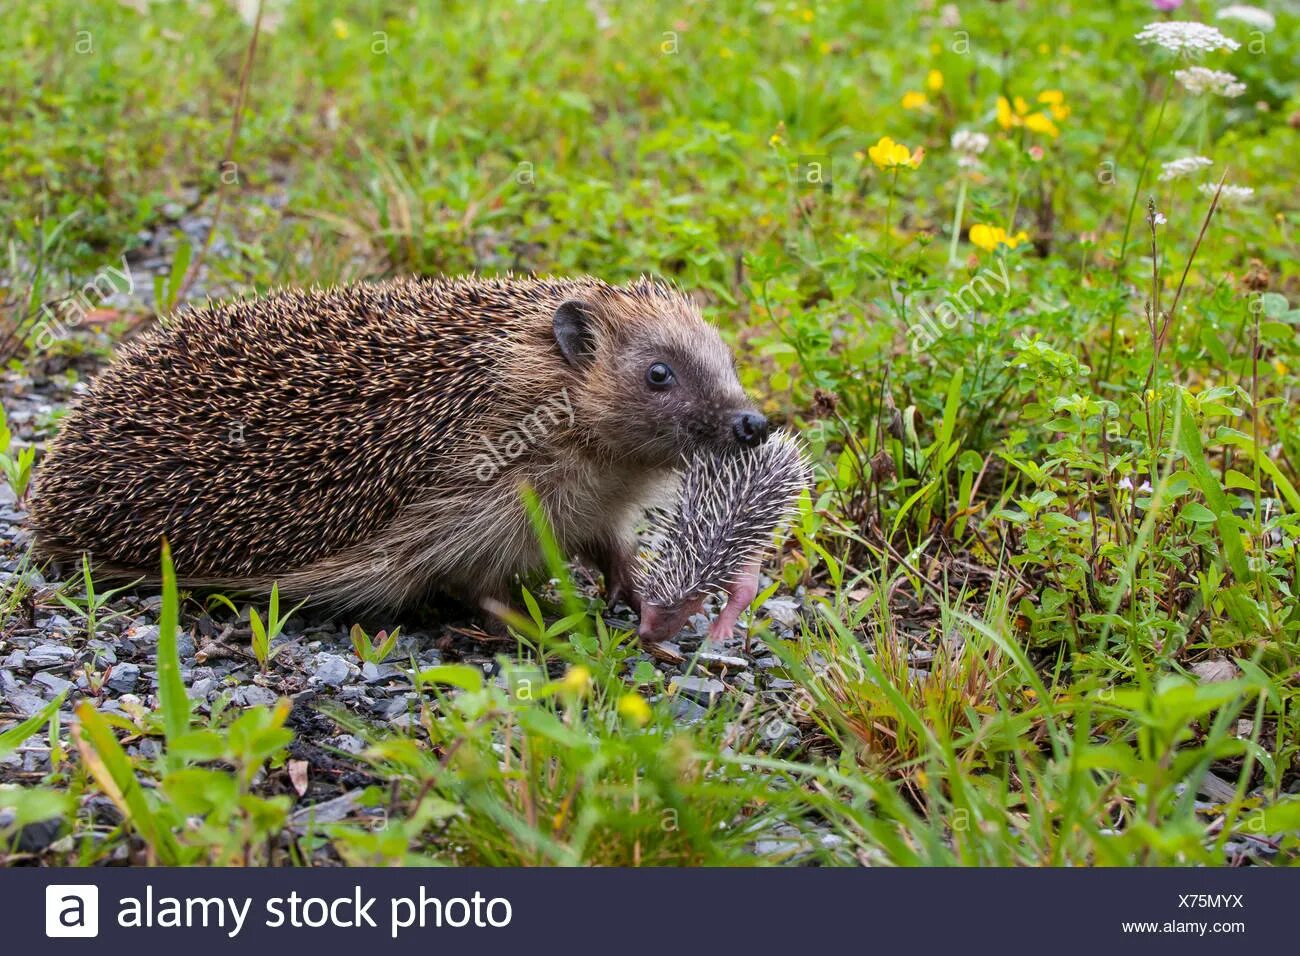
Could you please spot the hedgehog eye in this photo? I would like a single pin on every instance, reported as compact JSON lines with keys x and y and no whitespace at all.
{"x":659,"y":376}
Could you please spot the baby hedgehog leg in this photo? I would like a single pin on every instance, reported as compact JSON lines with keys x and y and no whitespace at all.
{"x":741,"y":592}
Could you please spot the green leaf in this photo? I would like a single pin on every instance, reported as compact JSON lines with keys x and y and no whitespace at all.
{"x":172,"y":699}
{"x":1189,"y":443}
{"x":13,"y":738}
{"x":454,"y":675}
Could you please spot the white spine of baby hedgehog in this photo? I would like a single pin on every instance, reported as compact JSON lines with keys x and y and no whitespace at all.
{"x":715,"y":536}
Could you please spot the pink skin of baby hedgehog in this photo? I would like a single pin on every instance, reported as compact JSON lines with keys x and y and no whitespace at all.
{"x":661,"y":623}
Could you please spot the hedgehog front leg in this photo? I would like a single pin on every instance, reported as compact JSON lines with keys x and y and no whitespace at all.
{"x":740,"y":594}
{"x":615,"y":561}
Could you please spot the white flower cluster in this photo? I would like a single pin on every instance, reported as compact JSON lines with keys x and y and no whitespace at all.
{"x":1251,"y":16}
{"x":1185,"y":36}
{"x":1229,"y":193}
{"x":969,"y":145}
{"x":1197,"y":79}
{"x":1178,"y":168}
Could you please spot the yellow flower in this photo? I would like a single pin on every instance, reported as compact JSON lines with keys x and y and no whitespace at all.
{"x":989,"y":238}
{"x":634,"y":708}
{"x":887,"y":154}
{"x":576,"y":680}
{"x":912,"y":100}
{"x":934,"y":81}
{"x":726,"y":53}
{"x":1016,"y":113}
{"x":1055,"y":102}
{"x":1006,"y":118}
{"x":1040,"y":123}
{"x":806,"y":14}
{"x":775,"y":140}
{"x":341,"y":29}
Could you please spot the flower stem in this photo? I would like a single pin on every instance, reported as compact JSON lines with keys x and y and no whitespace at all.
{"x":956,"y":223}
{"x":1128,"y":225}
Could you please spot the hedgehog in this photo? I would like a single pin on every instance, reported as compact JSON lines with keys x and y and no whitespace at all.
{"x":728,"y":508}
{"x":365,"y":446}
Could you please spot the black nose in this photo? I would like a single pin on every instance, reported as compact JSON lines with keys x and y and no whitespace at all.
{"x":750,"y":428}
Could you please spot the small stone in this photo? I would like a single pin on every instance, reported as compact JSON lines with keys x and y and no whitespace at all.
{"x":123,"y":678}
{"x":705,"y":690}
{"x":201,"y":688}
{"x":55,"y":683}
{"x":331,"y":671}
{"x":721,"y":663}
{"x":25,"y":703}
{"x":779,"y":735}
{"x":1215,"y":670}
{"x":784,"y":610}
{"x":388,"y":709}
{"x":144,"y":634}
{"x":48,"y":655}
{"x":348,"y":743}
{"x":687,"y":711}
{"x":253,"y":696}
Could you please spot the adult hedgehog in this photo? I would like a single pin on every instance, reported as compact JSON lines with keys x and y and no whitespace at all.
{"x":364,"y":445}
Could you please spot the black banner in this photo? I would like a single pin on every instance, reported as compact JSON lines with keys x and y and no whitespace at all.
{"x":648,"y":911}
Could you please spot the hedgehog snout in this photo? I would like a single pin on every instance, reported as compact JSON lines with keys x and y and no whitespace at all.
{"x":750,"y":428}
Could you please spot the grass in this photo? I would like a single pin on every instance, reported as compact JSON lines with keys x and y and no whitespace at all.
{"x":1052,"y":556}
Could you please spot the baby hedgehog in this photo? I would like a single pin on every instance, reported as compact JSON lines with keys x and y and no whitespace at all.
{"x":728,"y":509}
{"x":365,"y":445}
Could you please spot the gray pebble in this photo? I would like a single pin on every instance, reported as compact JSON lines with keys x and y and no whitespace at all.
{"x":331,"y":671}
{"x":687,"y":711}
{"x":55,"y":683}
{"x":253,"y":696}
{"x":779,"y":735}
{"x":145,"y":634}
{"x":25,"y":703}
{"x":716,"y":661}
{"x":124,"y":677}
{"x":348,"y":743}
{"x":705,"y":690}
{"x":48,"y":655}
{"x":8,"y":683}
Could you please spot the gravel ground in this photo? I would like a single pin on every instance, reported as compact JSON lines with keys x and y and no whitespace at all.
{"x":46,"y":650}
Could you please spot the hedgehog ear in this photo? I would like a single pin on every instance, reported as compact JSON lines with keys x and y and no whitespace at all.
{"x":574,"y":333}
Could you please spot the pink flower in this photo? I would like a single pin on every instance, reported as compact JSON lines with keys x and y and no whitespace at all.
{"x":1166,"y":5}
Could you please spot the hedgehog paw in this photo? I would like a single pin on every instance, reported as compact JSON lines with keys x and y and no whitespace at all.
{"x":740,"y":594}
